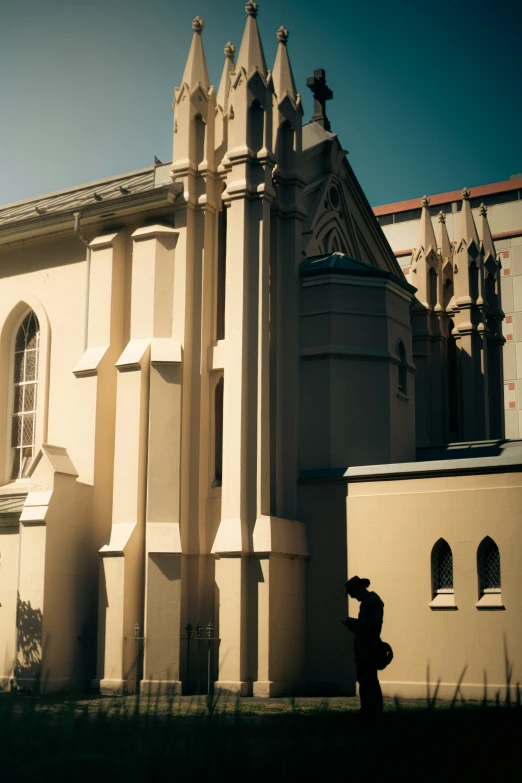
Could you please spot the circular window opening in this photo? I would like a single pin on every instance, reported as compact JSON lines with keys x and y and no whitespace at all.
{"x":334,"y":196}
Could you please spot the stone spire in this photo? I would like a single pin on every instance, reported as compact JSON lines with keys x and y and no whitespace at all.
{"x":228,"y":68}
{"x":467,"y":231}
{"x":486,"y":240}
{"x":445,"y":249}
{"x":426,"y":234}
{"x":251,"y":54}
{"x":444,"y":243}
{"x":196,"y":67}
{"x":282,"y":75}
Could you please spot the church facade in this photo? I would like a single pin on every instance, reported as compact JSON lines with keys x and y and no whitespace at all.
{"x":220,"y":396}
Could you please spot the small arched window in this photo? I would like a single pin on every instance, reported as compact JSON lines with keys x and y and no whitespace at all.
{"x":433,"y":284}
{"x":199,"y":140}
{"x":25,"y":385}
{"x":488,"y":562}
{"x":256,"y":127}
{"x":403,"y":369}
{"x":442,"y":567}
{"x":218,"y":433}
{"x":221,"y":276}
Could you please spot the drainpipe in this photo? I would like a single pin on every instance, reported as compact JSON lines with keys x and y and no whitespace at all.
{"x":77,"y":217}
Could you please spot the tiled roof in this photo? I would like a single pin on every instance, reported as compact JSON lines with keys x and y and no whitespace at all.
{"x":77,"y":198}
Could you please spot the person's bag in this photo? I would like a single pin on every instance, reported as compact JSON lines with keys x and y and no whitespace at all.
{"x":383,"y":655}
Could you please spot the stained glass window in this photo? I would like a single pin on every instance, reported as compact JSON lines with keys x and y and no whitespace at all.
{"x":25,"y":382}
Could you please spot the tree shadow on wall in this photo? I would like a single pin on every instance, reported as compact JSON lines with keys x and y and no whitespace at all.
{"x":29,"y":657}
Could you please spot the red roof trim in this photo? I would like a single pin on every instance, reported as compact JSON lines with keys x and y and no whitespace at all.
{"x":453,"y":195}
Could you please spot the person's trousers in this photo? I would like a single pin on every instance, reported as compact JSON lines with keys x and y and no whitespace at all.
{"x":370,"y":692}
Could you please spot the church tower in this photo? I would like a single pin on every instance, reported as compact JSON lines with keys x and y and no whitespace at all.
{"x":428,"y":340}
{"x":495,"y":316}
{"x":252,"y":544}
{"x":469,"y":313}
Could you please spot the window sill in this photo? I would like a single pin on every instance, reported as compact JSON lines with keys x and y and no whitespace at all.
{"x":402,"y":397}
{"x":490,"y":602}
{"x":444,"y":602}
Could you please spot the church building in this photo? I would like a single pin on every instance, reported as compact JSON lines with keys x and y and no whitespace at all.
{"x":220,"y":397}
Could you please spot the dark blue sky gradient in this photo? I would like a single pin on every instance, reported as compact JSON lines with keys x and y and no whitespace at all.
{"x":427,"y":94}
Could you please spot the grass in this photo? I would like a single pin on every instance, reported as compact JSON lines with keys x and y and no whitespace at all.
{"x":217,"y":739}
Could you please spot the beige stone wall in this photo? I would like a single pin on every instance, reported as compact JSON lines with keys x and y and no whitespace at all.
{"x":392,"y":527}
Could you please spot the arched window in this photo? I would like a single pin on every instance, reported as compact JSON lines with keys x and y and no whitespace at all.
{"x":221,"y":273}
{"x":218,"y":432}
{"x":199,"y":140}
{"x":453,"y":391}
{"x":403,"y":369}
{"x":488,"y":563}
{"x":256,"y":127}
{"x":433,"y":284}
{"x":25,"y":384}
{"x":442,"y":568}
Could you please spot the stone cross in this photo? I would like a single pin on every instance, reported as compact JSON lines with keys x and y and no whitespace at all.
{"x":322,"y":93}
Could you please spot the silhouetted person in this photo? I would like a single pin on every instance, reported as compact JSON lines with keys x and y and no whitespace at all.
{"x":367,"y":631}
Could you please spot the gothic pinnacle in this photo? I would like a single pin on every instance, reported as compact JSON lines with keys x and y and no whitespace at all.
{"x":224,"y":84}
{"x":196,"y":66}
{"x":251,"y":55}
{"x":442,"y":217}
{"x":467,"y":231}
{"x":282,"y":72}
{"x":483,"y":210}
{"x":426,"y":233}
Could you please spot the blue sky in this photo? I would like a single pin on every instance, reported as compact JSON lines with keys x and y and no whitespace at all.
{"x":427,"y":95}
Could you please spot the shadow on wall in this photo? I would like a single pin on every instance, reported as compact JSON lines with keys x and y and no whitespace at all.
{"x":28,"y":663}
{"x":28,"y":670}
{"x":329,"y":655}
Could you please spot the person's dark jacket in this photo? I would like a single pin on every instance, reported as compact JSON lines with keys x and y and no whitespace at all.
{"x":367,"y":627}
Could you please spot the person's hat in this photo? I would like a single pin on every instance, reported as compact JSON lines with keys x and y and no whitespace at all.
{"x":355,"y":581}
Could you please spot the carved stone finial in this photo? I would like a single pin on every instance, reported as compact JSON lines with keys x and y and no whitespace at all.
{"x":442,"y":217}
{"x":483,"y":210}
{"x":282,"y":35}
{"x":425,"y":201}
{"x":230,"y":50}
{"x":251,"y":8}
{"x":198,"y":24}
{"x":465,"y":193}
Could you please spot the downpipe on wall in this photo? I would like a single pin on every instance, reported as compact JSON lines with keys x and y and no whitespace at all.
{"x":77,"y":217}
